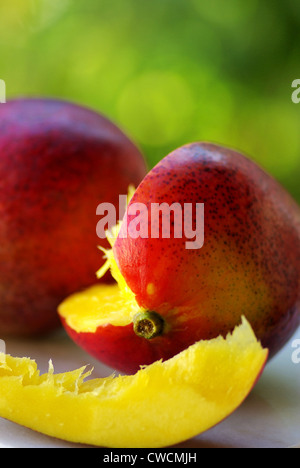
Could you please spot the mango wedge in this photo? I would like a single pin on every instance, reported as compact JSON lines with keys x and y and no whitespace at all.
{"x":162,"y":404}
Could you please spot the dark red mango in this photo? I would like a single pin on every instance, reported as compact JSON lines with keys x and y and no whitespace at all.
{"x":58,"y":161}
{"x":249,"y":263}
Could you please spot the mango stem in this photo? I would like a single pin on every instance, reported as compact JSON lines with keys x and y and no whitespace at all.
{"x":148,"y":324}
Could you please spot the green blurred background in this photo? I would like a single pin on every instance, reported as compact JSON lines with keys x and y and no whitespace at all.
{"x":167,"y":71}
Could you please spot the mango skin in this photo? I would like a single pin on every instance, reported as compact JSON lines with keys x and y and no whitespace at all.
{"x":121,"y":349}
{"x":58,"y":161}
{"x":249,"y":264}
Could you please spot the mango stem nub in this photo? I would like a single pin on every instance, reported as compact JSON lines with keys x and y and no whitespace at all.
{"x":148,"y":324}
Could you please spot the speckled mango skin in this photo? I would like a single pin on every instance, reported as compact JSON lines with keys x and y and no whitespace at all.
{"x":249,"y":263}
{"x":58,"y":161}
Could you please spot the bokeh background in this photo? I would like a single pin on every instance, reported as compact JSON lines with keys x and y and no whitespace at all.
{"x":167,"y":71}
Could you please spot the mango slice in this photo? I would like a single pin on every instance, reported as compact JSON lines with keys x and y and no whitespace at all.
{"x":162,"y":404}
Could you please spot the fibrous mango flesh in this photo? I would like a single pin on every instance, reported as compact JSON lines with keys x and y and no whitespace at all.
{"x":162,"y":404}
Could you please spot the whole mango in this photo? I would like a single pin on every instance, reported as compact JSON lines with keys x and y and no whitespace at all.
{"x":58,"y":161}
{"x":174,"y":289}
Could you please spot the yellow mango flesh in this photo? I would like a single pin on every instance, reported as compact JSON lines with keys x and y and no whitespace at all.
{"x":161,"y":405}
{"x":97,"y":306}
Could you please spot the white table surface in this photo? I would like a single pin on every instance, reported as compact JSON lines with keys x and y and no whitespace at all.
{"x":269,"y":417}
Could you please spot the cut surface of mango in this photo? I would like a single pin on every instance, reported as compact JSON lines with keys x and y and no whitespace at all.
{"x":96,"y":306}
{"x":162,"y":404}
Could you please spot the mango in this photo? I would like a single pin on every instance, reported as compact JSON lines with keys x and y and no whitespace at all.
{"x":58,"y":162}
{"x":161,"y":405}
{"x":168,"y":295}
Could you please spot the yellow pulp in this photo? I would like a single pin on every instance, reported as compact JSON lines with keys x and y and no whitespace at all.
{"x":98,"y":305}
{"x":111,"y":263}
{"x":162,"y":404}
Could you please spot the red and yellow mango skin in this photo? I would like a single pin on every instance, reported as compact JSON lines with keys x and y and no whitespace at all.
{"x":58,"y":161}
{"x":120,"y":348}
{"x":249,"y":263}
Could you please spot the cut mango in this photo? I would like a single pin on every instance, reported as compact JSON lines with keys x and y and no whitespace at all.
{"x":97,"y":306}
{"x":162,"y":404}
